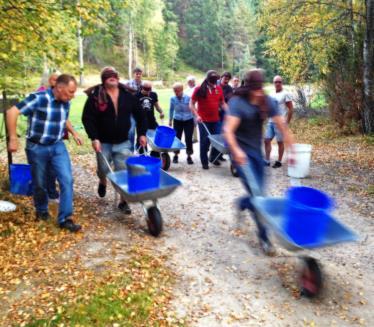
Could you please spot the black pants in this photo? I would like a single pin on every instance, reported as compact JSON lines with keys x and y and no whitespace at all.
{"x":187,"y":127}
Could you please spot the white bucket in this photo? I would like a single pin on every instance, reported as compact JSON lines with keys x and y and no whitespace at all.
{"x":302,"y":156}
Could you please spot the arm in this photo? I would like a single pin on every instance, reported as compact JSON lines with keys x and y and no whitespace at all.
{"x":89,"y":120}
{"x":141,"y":123}
{"x":192,"y":107}
{"x":158,"y":108}
{"x":224,"y":105}
{"x":282,"y":127}
{"x":11,"y":123}
{"x":230,"y":126}
{"x":289,"y":106}
{"x":171,"y":112}
{"x":72,"y":131}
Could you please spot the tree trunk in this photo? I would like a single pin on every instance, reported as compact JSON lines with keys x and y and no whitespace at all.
{"x":130,"y":50}
{"x":80,"y":52}
{"x":368,"y":54}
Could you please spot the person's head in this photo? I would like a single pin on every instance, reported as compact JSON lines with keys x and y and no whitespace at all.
{"x":146,"y":88}
{"x":212,"y":77}
{"x":178,"y":89}
{"x":278,"y":83}
{"x":191,"y":81}
{"x":235,"y":82}
{"x":225,"y":78}
{"x":137,"y":73}
{"x":65,"y":88}
{"x":52,"y":80}
{"x":109,"y":77}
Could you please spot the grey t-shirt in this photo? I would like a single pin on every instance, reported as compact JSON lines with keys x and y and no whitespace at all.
{"x":249,"y":132}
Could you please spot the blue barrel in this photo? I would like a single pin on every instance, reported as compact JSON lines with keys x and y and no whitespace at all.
{"x":143,"y":173}
{"x":20,"y":179}
{"x":164,"y":136}
{"x":307,"y":214}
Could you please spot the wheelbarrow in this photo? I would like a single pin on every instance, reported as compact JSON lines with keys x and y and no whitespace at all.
{"x":271,"y":212}
{"x":147,"y":198}
{"x":219,"y":143}
{"x":165,"y":157}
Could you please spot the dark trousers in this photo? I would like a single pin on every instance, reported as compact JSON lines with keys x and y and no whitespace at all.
{"x":205,"y":143}
{"x":187,"y":127}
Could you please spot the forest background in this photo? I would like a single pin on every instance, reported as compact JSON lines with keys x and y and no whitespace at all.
{"x":325,"y":49}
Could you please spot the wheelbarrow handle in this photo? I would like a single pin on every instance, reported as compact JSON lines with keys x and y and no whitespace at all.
{"x":206,"y":128}
{"x":106,"y":161}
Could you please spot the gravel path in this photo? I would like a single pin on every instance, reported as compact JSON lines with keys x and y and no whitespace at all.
{"x":223,"y":279}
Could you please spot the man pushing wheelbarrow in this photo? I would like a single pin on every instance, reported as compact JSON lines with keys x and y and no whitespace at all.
{"x":248,"y":110}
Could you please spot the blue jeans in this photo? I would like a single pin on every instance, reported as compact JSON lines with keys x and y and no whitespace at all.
{"x":51,"y":184}
{"x":114,"y":153}
{"x":56,"y":157}
{"x":252,"y":177}
{"x":205,"y":143}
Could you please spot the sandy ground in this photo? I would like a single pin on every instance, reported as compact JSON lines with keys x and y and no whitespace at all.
{"x":223,"y":279}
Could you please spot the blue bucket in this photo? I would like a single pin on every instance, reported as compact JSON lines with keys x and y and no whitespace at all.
{"x":20,"y":179}
{"x":143,"y":173}
{"x":307,"y":214}
{"x":164,"y":136}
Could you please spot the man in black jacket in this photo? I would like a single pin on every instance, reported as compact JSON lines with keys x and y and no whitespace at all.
{"x":106,"y":119}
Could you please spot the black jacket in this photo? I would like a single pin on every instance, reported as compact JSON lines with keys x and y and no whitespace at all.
{"x":101,"y":122}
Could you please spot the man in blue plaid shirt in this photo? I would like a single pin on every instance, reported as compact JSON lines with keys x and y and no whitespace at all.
{"x":47,"y":113}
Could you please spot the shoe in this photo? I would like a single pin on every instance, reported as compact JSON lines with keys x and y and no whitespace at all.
{"x":277,"y":164}
{"x":205,"y":166}
{"x":216,"y":163}
{"x":266,"y":163}
{"x":70,"y":226}
{"x":175,"y":159}
{"x":124,"y":207}
{"x":267,"y":248}
{"x":222,"y":158}
{"x":189,"y":160}
{"x":43,"y":216}
{"x":101,"y":190}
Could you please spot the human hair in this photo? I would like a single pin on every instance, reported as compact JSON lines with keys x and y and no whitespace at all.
{"x":226,"y":74}
{"x":65,"y":79}
{"x":191,"y":78}
{"x":203,"y":89}
{"x":137,"y":70}
{"x":177,"y":85}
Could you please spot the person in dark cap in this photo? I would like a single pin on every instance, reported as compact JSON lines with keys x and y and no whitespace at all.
{"x":209,"y":98}
{"x":248,"y":110}
{"x":106,"y":119}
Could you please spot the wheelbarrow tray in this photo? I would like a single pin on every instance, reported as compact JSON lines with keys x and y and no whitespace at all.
{"x":119,"y":180}
{"x":218,"y":142}
{"x":176,"y":146}
{"x":271,"y":211}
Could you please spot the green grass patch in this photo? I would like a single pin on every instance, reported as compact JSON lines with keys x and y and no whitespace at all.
{"x":318,"y":101}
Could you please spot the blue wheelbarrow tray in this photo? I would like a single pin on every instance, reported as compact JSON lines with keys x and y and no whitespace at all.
{"x":167,"y":185}
{"x":176,"y":146}
{"x":271,"y":212}
{"x":218,"y":142}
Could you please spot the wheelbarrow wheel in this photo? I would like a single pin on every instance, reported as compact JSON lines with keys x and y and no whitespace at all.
{"x":310,"y":278}
{"x":154,"y":221}
{"x":165,"y":158}
{"x":234,"y":171}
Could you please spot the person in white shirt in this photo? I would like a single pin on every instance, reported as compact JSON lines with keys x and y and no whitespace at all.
{"x":191,"y":84}
{"x":285,"y":105}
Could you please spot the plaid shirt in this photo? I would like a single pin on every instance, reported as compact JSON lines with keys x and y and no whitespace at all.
{"x":134,"y":85}
{"x":46,"y":117}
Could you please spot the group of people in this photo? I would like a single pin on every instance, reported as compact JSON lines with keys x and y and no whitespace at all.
{"x":116,"y":117}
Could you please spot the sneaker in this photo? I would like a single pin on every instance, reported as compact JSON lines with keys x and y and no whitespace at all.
{"x":205,"y":166}
{"x":189,"y":160}
{"x":277,"y":164}
{"x":215,"y":163}
{"x":267,"y":248}
{"x":266,"y":163}
{"x":124,"y":207}
{"x":101,"y":190}
{"x":175,"y":159}
{"x":70,"y":226}
{"x":43,"y":216}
